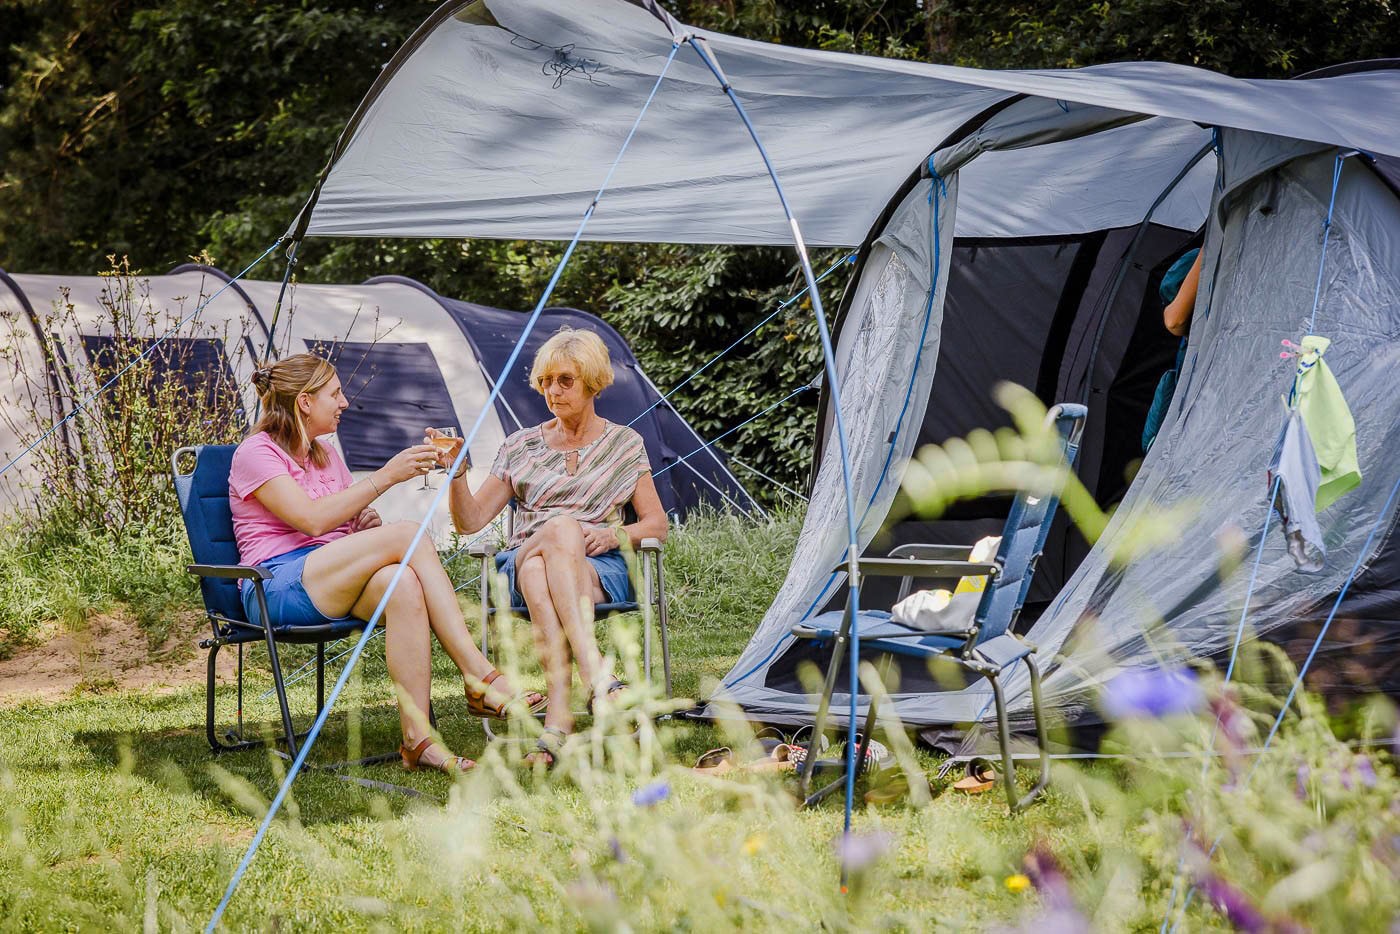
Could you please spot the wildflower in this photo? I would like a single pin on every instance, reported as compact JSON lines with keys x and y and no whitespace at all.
{"x":1043,"y":871}
{"x":618,"y":852}
{"x":1152,"y":693}
{"x":1304,"y":775}
{"x":753,"y":844}
{"x":1017,"y":883}
{"x":860,"y":851}
{"x":1365,"y":771}
{"x":652,"y":795}
{"x":1234,"y":905}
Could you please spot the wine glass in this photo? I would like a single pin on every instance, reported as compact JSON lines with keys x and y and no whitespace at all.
{"x":443,"y":441}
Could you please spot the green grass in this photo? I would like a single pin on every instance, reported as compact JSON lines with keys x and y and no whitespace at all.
{"x":114,"y":816}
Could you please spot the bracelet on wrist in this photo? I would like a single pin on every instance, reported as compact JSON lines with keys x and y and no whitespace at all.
{"x":377,"y":490}
{"x":463,"y":470}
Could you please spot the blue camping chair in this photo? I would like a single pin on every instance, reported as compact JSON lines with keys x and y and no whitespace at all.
{"x":203,"y":496}
{"x":988,"y":647}
{"x":652,"y":602}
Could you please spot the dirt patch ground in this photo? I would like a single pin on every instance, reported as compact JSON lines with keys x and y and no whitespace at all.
{"x":111,"y":652}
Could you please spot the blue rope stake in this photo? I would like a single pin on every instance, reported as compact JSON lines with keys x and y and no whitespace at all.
{"x":1303,"y":671}
{"x":850,"y":257}
{"x":716,"y":440}
{"x":145,"y":353}
{"x":373,"y":621}
{"x":829,"y":359}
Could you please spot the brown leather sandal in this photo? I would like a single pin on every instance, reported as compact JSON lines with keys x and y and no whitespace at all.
{"x":478,"y":706}
{"x":451,"y":765}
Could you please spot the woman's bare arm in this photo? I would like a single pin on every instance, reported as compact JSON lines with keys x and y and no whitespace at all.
{"x":471,"y":512}
{"x":315,"y":517}
{"x":651,"y":516}
{"x":1177,"y":315}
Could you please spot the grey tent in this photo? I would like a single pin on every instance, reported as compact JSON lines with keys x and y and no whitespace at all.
{"x":1067,"y":193}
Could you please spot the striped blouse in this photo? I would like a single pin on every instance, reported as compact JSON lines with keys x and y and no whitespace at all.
{"x":605,"y":481}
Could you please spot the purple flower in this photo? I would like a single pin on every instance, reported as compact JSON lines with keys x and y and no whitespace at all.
{"x":1304,"y":775}
{"x":1048,"y":878}
{"x":1365,"y":771}
{"x":1234,"y":905}
{"x":618,"y":852}
{"x":652,"y":795}
{"x":860,"y":851}
{"x":1152,"y":692}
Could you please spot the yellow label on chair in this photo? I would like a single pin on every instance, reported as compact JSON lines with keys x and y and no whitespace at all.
{"x":984,"y":550}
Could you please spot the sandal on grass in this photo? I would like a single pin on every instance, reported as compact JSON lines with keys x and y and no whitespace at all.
{"x":610,"y":689}
{"x":980,"y":777}
{"x":715,"y":762}
{"x":412,"y":759}
{"x":547,"y":748}
{"x":478,"y":706}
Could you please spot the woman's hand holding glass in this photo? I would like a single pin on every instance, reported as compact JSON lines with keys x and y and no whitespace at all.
{"x":411,"y":462}
{"x":446,"y":445}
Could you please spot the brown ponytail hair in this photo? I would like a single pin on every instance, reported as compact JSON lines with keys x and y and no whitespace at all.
{"x":279,"y":385}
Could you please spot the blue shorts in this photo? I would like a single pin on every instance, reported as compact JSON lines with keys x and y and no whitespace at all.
{"x":610,"y":565}
{"x":287,"y":599}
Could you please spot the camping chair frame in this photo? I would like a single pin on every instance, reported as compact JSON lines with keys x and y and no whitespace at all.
{"x":651,"y":604}
{"x":987,"y":648}
{"x":232,"y":629}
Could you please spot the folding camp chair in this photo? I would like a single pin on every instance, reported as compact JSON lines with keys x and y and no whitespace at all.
{"x":988,"y":647}
{"x":203,"y":496}
{"x":652,"y":602}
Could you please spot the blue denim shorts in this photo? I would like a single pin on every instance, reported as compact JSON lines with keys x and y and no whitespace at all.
{"x":287,"y":599}
{"x":610,"y":565}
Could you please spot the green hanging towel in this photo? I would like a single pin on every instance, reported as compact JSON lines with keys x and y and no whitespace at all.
{"x":1329,"y":421}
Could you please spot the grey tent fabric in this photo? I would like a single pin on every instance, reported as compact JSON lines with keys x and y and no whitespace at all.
{"x":1294,"y":468}
{"x":501,"y":121}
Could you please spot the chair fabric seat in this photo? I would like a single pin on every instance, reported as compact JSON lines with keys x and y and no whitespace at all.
{"x":241,"y":632}
{"x":880,"y":632}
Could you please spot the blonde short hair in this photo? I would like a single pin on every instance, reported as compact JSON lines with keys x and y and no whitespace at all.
{"x":584,"y":349}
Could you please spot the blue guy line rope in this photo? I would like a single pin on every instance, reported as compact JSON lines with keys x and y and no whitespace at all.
{"x":145,"y":353}
{"x":1253,"y":577}
{"x":850,"y":257}
{"x":373,"y":621}
{"x":829,"y":358}
{"x":1303,"y":671}
{"x":717,"y":439}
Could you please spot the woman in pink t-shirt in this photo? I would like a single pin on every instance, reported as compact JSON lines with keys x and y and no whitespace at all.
{"x":298,"y":513}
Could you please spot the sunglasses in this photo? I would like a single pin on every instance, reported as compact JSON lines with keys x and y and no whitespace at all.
{"x":564,"y":382}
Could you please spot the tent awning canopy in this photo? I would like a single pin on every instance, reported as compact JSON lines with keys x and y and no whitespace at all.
{"x":499,"y":118}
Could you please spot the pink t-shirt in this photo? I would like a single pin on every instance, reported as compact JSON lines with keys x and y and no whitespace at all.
{"x":259,"y":533}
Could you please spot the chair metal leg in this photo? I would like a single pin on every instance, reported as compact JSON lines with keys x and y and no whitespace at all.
{"x":833,"y":670}
{"x":320,"y":677}
{"x":210,"y":688}
{"x":1008,"y":764}
{"x":277,"y":681}
{"x":663,"y":619}
{"x":240,"y":691}
{"x":1041,"y":736}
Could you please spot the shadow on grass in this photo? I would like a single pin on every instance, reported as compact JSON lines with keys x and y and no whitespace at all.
{"x":179,"y":761}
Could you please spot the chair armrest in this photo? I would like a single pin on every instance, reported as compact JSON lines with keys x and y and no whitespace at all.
{"x":925,"y":568}
{"x":237,"y":571}
{"x":477,"y":550}
{"x":650,"y":544}
{"x":933,"y":552}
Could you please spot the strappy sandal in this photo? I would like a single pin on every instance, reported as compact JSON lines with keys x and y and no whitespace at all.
{"x":715,"y":762}
{"x":452,"y":765}
{"x":478,"y":706}
{"x":547,"y":747}
{"x":613,"y":686}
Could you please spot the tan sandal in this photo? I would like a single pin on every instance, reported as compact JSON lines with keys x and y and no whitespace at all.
{"x":547,"y":748}
{"x":451,"y":765}
{"x":478,"y":706}
{"x":980,"y":777}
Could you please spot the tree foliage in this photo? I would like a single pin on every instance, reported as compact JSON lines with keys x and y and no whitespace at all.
{"x":161,"y":128}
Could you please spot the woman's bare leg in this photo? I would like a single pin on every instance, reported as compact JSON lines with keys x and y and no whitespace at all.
{"x":335,"y":577}
{"x":550,"y":642}
{"x":573,"y":588}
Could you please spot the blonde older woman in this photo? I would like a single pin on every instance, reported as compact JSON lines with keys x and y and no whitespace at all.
{"x":570,"y":478}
